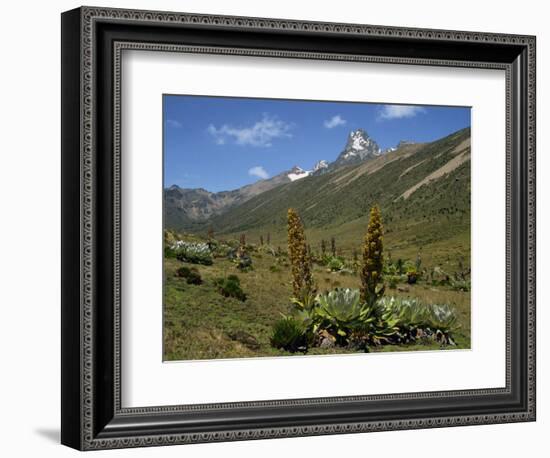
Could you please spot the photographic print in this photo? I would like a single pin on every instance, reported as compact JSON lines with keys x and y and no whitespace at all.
{"x":298,"y":227}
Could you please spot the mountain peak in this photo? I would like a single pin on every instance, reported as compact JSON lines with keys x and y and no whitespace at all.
{"x":296,"y":173}
{"x":322,"y":164}
{"x":359,"y":147}
{"x":358,"y":140}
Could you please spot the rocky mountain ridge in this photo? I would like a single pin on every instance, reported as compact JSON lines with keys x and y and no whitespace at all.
{"x":186,"y":206}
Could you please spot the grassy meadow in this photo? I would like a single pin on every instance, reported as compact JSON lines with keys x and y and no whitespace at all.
{"x":200,"y":323}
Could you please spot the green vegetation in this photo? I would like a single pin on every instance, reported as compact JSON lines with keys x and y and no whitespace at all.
{"x":192,"y":275}
{"x":359,"y":259}
{"x":230,"y":287}
{"x":196,"y":253}
{"x":289,"y":334}
{"x":417,"y":320}
{"x":227,"y":316}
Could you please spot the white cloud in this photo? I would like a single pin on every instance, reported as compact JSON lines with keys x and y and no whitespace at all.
{"x":335,"y":121}
{"x":173,"y":123}
{"x":259,"y":172}
{"x":261,"y":133}
{"x":400,"y":111}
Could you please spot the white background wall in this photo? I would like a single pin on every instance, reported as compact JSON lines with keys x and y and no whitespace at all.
{"x":30,"y":240}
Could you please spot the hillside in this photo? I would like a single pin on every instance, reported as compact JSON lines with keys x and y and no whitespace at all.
{"x":423,"y":191}
{"x":188,"y":208}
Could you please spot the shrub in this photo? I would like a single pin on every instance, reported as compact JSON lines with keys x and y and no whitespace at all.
{"x":193,"y":252}
{"x":192,"y":275}
{"x":461,"y":285}
{"x":289,"y":334}
{"x":335,"y":264}
{"x":233,"y":243}
{"x":169,"y":237}
{"x":393,"y":280}
{"x":267,"y":249}
{"x":439,"y":277}
{"x":242,"y":260}
{"x":390,"y":269}
{"x":400,"y":266}
{"x":221,"y":250}
{"x":169,"y":252}
{"x":230,"y":287}
{"x":412,"y":277}
{"x":244,"y":263}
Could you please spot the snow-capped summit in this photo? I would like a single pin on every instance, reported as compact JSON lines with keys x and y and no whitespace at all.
{"x":322,"y":164}
{"x":297,"y":173}
{"x":358,"y":148}
{"x":358,"y":140}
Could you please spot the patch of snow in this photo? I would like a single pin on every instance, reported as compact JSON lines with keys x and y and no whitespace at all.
{"x":358,"y":142}
{"x":322,"y":164}
{"x":298,"y":173}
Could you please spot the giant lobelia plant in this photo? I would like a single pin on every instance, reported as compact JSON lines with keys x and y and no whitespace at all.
{"x":373,"y":261}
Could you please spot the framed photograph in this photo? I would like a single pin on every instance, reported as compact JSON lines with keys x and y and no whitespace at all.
{"x":278,"y":228}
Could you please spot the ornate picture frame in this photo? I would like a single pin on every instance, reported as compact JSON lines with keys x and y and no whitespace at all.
{"x":93,"y":416}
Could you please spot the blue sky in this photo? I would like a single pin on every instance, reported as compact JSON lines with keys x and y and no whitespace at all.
{"x":223,"y":143}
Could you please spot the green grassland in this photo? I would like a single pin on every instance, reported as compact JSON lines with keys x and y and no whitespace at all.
{"x":200,"y":323}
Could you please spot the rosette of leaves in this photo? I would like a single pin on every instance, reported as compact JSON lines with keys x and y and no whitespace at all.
{"x":461,"y":285}
{"x":342,"y":310}
{"x":335,"y":264}
{"x":411,"y":315}
{"x":290,"y":334}
{"x":442,"y":317}
{"x":348,"y":318}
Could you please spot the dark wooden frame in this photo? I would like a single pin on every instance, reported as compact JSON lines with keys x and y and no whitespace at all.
{"x":92,"y":42}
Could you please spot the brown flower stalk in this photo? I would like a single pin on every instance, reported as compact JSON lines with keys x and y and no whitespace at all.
{"x":302,"y":279}
{"x":371,"y":273}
